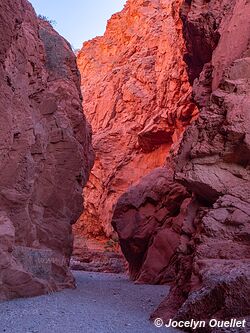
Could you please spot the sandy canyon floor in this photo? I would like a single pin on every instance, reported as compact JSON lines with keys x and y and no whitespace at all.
{"x":102,"y":303}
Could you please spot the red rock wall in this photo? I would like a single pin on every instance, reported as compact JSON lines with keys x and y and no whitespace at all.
{"x":202,"y":242}
{"x":149,"y":220}
{"x":137,"y":99}
{"x":45,"y":156}
{"x":213,"y":162}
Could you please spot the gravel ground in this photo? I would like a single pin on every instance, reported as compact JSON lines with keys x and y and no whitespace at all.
{"x":102,"y":303}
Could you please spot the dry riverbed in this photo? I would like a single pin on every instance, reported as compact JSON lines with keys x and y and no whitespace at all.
{"x":102,"y":303}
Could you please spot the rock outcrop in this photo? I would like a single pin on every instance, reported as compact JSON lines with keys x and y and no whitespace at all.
{"x":213,"y":162}
{"x":149,"y":219}
{"x":137,"y":98}
{"x":204,"y":247}
{"x":46,"y":154}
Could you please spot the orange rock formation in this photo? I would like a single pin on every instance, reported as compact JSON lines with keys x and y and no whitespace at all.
{"x":137,"y":98}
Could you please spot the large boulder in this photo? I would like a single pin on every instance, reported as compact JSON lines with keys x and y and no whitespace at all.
{"x":149,"y":219}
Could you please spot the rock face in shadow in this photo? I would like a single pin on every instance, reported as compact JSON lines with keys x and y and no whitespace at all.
{"x":191,"y":225}
{"x":46,"y":153}
{"x":213,"y":162}
{"x":149,"y":219}
{"x":137,"y":98}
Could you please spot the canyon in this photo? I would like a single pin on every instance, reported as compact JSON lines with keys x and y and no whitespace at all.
{"x":184,"y":218}
{"x":166,"y":91}
{"x":137,"y":97}
{"x":201,"y":242}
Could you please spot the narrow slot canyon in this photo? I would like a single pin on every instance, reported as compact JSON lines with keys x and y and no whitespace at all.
{"x":125,"y":170}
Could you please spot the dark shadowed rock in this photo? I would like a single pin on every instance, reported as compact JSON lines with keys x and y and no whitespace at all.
{"x":45,"y":156}
{"x":149,"y":220}
{"x":213,"y":163}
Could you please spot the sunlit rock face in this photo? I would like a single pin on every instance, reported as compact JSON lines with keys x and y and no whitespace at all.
{"x":137,"y":98}
{"x":213,"y":163}
{"x":45,"y":153}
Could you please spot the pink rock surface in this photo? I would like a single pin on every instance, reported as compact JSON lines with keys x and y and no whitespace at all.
{"x":137,"y":99}
{"x":46,"y":153}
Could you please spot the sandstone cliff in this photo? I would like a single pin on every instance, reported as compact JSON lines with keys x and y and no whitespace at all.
{"x":137,"y":99}
{"x":213,"y":162}
{"x":46,"y":153}
{"x":206,"y":251}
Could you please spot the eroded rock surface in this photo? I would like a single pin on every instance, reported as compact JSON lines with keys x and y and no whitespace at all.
{"x":46,"y":153}
{"x":137,"y":98}
{"x":213,"y":162}
{"x":149,"y":219}
{"x":202,"y":241}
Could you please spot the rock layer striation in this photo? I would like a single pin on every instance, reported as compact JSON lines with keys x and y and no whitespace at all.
{"x":46,"y":153}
